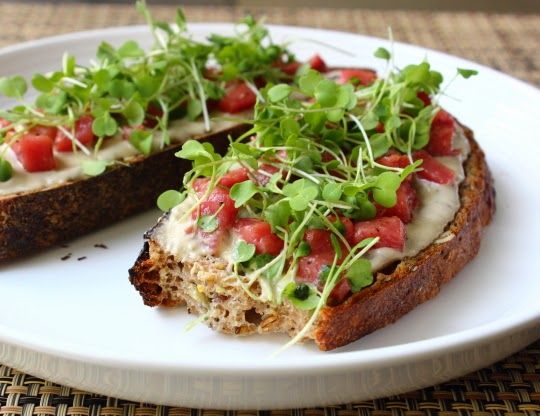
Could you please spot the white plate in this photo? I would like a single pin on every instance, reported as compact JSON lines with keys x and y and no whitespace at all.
{"x":81,"y":323}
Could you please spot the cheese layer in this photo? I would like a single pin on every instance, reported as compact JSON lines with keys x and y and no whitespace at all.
{"x":438,"y":206}
{"x":69,"y":163}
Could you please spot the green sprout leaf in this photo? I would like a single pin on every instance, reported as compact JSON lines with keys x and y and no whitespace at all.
{"x":326,"y":93}
{"x":208,"y":223}
{"x":382,"y":53}
{"x":302,"y":296}
{"x":94,"y":167}
{"x":134,"y":113}
{"x":42,"y":83}
{"x":302,"y":250}
{"x":243,"y":252}
{"x":169,"y":199}
{"x":194,"y":109}
{"x":6,"y":171}
{"x":52,"y":103}
{"x":279,"y":92}
{"x":332,"y":192}
{"x":359,"y":274}
{"x":467,"y":73}
{"x":104,"y":125}
{"x":130,"y":49}
{"x":278,"y":214}
{"x":385,"y":189}
{"x":309,"y":81}
{"x":301,"y":192}
{"x":142,"y":140}
{"x":242,"y":192}
{"x":13,"y":87}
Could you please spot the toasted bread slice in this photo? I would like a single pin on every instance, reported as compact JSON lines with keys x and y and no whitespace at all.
{"x":43,"y":218}
{"x":207,"y":288}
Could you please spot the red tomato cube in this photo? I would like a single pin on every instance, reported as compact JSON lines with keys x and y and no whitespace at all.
{"x":441,"y":135}
{"x":311,"y":266}
{"x":340,"y":292}
{"x":234,"y":176}
{"x":35,"y":152}
{"x":238,"y":97}
{"x":406,"y":202}
{"x":390,"y":230}
{"x":259,"y":233}
{"x":83,"y":133}
{"x":49,"y":131}
{"x":432,"y":169}
{"x":426,"y":99}
{"x":360,"y":76}
{"x":317,"y":63}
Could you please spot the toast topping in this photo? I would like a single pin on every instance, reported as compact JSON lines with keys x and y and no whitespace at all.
{"x":325,"y":189}
{"x":85,"y":110}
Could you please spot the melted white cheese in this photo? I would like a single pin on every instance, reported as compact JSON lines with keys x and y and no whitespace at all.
{"x":69,"y":164}
{"x":439,"y":204}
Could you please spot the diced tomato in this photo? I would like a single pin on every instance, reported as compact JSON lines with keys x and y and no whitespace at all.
{"x":394,"y":159}
{"x":441,"y":135}
{"x":406,"y":202}
{"x":153,"y":113}
{"x":288,"y":68}
{"x":322,"y":254}
{"x":259,"y":233}
{"x":35,"y":152}
{"x":263,"y":174}
{"x":83,"y":133}
{"x":360,"y":76}
{"x":311,"y":266}
{"x":234,"y":176}
{"x":200,"y":185}
{"x":49,"y":131}
{"x":319,"y":240}
{"x":238,"y":97}
{"x":219,"y":203}
{"x":432,"y":169}
{"x":379,"y":128}
{"x":227,"y":214}
{"x":390,"y":230}
{"x":317,"y":63}
{"x":340,"y":292}
{"x":348,"y":226}
{"x":424,"y":97}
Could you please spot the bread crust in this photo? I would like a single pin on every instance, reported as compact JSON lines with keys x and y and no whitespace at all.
{"x":395,"y":293}
{"x":35,"y":220}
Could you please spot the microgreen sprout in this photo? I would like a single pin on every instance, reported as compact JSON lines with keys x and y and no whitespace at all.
{"x":134,"y":92}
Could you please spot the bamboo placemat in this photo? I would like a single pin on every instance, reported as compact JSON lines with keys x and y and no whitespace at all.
{"x":502,"y":41}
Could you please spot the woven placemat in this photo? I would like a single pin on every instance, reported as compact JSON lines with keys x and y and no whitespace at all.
{"x":503,"y":41}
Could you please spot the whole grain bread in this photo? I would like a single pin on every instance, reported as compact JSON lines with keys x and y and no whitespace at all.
{"x":43,"y":218}
{"x":208,"y":289}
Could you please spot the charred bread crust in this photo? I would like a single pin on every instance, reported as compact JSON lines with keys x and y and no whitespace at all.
{"x":417,"y":279}
{"x":40,"y":219}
